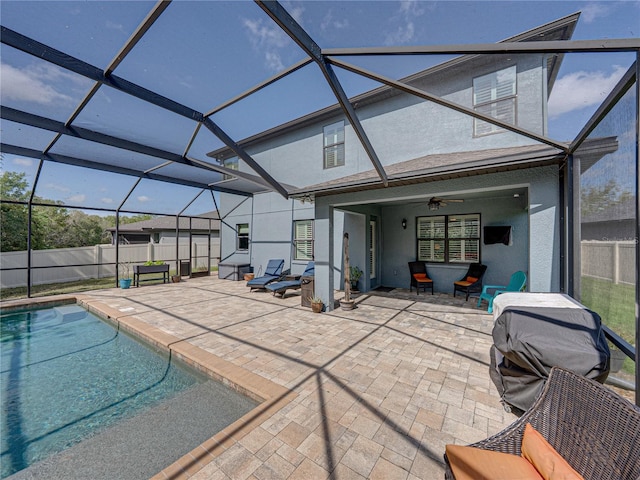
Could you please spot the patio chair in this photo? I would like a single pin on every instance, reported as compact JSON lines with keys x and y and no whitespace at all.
{"x":271,"y":274}
{"x":593,"y":428}
{"x":516,"y":284}
{"x":472,"y":280}
{"x":419,"y":277}
{"x":281,"y":286}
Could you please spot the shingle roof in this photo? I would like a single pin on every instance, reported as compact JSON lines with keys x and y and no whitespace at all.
{"x":169,"y":223}
{"x":442,"y":166}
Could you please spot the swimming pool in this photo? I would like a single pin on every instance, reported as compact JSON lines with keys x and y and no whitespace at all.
{"x":66,"y":374}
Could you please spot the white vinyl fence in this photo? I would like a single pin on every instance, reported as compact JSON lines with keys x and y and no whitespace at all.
{"x":72,"y":264}
{"x":613,"y":261}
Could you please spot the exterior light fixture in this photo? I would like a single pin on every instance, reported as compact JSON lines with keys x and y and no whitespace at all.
{"x":404,"y":223}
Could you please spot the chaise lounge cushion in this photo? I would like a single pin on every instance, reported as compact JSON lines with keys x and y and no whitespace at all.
{"x":271,"y":274}
{"x":283,"y":285}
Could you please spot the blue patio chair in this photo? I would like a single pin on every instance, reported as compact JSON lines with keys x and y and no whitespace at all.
{"x":271,"y":274}
{"x":516,"y":284}
{"x":282,"y":286}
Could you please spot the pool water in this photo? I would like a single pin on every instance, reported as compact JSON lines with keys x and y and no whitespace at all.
{"x":65,"y":375}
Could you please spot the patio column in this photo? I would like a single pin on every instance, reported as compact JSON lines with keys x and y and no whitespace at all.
{"x":323,"y":253}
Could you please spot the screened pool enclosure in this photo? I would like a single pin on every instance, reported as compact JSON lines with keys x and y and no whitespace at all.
{"x":113,"y":109}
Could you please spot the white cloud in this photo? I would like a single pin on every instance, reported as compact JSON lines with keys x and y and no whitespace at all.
{"x":143,"y":198}
{"x":31,"y":85}
{"x":22,"y":161}
{"x":115,"y":26}
{"x":106,"y":200}
{"x":57,"y":187}
{"x":593,"y":11}
{"x":330,"y":22}
{"x":79,"y":198}
{"x":582,"y":89}
{"x":405,"y":32}
{"x":268,"y":39}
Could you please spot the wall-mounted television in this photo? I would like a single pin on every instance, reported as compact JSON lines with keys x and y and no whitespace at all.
{"x":497,"y":234}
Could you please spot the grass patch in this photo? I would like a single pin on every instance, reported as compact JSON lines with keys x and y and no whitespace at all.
{"x":68,"y":287}
{"x":58,"y":288}
{"x":615,"y":303}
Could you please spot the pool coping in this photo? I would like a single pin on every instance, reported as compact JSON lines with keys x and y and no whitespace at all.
{"x":270,"y":395}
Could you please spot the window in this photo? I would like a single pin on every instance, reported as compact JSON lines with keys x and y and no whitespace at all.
{"x":494,"y":95}
{"x":242,"y":240}
{"x":449,"y":238}
{"x":231,"y":164}
{"x":334,"y":145}
{"x":303,"y":240}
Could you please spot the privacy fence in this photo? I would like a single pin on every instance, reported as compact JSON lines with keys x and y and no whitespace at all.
{"x":72,"y":264}
{"x":613,"y":261}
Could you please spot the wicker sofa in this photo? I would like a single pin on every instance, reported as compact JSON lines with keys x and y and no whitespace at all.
{"x":593,"y":428}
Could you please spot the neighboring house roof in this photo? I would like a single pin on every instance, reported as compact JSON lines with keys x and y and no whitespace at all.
{"x":561,"y":29}
{"x":445,"y":166}
{"x":165,"y":223}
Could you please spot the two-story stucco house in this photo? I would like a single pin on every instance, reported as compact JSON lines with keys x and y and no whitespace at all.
{"x":439,"y":176}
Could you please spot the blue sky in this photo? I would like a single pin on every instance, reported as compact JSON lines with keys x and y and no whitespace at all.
{"x":204,"y":52}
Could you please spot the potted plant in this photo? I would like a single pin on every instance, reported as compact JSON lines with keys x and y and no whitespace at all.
{"x":316,"y":304}
{"x":354,"y":273}
{"x":125,"y":278}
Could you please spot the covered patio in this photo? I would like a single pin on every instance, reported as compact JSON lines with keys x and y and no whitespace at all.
{"x":375,"y":392}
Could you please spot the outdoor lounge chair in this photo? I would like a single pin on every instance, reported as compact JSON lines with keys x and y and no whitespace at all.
{"x":593,"y":428}
{"x":282,"y":286}
{"x":271,"y":274}
{"x":419,"y":277}
{"x":472,"y":280}
{"x":516,"y":284}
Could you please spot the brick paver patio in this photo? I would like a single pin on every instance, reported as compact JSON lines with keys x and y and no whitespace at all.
{"x":375,"y":392}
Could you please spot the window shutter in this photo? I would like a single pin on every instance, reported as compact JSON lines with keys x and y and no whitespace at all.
{"x":494,"y":95}
{"x":303,"y":240}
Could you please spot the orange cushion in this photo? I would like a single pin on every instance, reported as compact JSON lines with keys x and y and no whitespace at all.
{"x":462,"y":283}
{"x":472,"y":279}
{"x":544,"y":457}
{"x":422,"y":278}
{"x":470,"y":463}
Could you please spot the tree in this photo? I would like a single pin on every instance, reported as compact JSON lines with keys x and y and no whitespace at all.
{"x":599,"y":198}
{"x":13,"y":217}
{"x":53,"y":226}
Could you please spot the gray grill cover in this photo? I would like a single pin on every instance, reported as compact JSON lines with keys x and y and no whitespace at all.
{"x":528,"y":341}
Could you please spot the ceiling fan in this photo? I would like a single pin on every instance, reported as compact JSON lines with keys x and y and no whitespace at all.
{"x":435,"y":203}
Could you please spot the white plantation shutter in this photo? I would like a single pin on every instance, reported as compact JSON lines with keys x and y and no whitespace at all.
{"x":334,"y":145}
{"x":464,"y":235}
{"x":431,"y":239}
{"x":303,"y":240}
{"x":494,"y":95}
{"x":452,"y":239}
